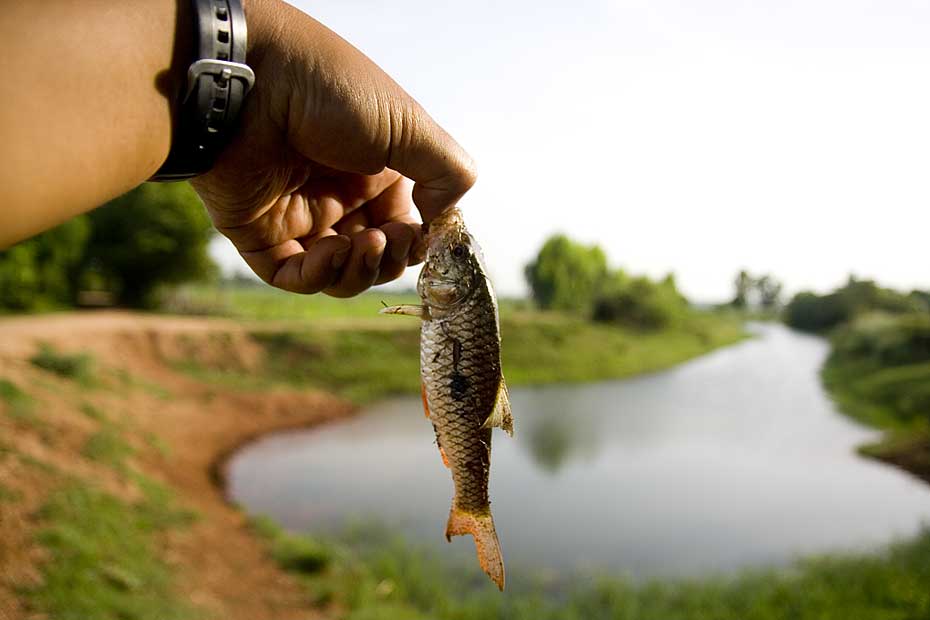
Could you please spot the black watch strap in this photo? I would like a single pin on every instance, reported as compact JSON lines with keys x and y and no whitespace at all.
{"x":217,"y":82}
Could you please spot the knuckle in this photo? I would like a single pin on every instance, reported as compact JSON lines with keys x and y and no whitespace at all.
{"x":467,"y":172}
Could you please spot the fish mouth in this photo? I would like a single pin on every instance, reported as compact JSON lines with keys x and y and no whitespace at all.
{"x":441,"y":285}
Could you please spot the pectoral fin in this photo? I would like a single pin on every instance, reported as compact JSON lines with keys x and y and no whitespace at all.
{"x":501,"y":416}
{"x":409,"y":310}
{"x":425,"y":400}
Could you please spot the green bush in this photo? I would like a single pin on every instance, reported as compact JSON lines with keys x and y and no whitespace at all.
{"x":77,"y":366}
{"x":814,"y":313}
{"x":641,"y":303}
{"x":885,"y":340}
{"x":811,"y":312}
{"x":879,"y":369}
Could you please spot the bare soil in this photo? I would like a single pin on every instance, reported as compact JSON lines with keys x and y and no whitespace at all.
{"x":221,"y":566}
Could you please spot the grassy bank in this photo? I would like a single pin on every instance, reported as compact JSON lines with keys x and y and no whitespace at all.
{"x":375,"y":356}
{"x":879,"y":373}
{"x":374,"y":576}
{"x":96,"y":520}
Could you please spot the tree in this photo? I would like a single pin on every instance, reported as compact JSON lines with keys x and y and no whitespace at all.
{"x":567,"y":275}
{"x":43,"y":272}
{"x":743,"y":285}
{"x":769,"y":292}
{"x":756,"y":292}
{"x":155,"y":234}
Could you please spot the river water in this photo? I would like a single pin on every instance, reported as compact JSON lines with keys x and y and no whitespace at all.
{"x":735,"y":459}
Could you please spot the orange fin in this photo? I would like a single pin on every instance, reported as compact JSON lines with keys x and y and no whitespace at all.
{"x":481,"y":527}
{"x":445,"y":459}
{"x":425,"y":401}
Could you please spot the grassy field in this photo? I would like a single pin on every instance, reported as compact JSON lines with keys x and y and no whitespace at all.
{"x":262,"y":303}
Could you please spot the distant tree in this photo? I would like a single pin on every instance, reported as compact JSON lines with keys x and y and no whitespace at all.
{"x":769,"y":290}
{"x":43,"y":272}
{"x":743,"y":285}
{"x":153,"y":235}
{"x":567,"y":275}
{"x":755,"y":292}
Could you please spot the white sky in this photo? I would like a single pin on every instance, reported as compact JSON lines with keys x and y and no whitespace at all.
{"x":790,"y":137}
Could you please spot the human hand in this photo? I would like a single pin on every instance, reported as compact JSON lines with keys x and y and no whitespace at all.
{"x":315,"y":189}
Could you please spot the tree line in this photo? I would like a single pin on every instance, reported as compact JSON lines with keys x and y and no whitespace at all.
{"x":575,"y":278}
{"x":820,"y":313}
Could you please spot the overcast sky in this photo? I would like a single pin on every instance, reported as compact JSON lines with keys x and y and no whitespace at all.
{"x":694,"y":137}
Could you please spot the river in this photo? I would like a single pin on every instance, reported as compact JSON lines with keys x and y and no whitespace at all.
{"x":735,"y":459}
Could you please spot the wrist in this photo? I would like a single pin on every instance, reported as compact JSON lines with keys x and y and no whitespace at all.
{"x":213,"y":88}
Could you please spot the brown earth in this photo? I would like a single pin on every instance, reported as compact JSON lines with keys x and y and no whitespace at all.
{"x":220,"y":565}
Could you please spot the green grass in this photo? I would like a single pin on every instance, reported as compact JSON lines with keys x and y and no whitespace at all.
{"x":366,"y":363}
{"x":76,"y":366}
{"x":94,"y":413}
{"x":128,"y":381}
{"x":107,"y":446}
{"x":102,"y":560}
{"x":19,"y":405}
{"x":265,"y":303}
{"x":379,"y":576}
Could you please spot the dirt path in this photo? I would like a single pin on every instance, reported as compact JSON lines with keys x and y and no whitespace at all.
{"x":221,"y":566}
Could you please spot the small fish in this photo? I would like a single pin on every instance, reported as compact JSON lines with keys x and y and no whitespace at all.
{"x":463,"y":389}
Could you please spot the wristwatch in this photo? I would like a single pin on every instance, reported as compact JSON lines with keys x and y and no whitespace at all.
{"x":217,"y":82}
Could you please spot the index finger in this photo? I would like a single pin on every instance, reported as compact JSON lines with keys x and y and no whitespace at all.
{"x":423,"y":151}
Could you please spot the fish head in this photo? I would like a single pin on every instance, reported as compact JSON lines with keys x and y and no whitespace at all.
{"x":453,"y":267}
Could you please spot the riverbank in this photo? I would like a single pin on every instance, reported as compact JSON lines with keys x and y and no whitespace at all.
{"x":106,"y":496}
{"x":879,"y":374}
{"x":110,"y":435}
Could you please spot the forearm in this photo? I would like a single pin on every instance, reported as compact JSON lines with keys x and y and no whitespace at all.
{"x":85,"y":104}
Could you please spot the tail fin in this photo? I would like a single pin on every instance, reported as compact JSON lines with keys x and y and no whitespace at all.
{"x":481,"y":527}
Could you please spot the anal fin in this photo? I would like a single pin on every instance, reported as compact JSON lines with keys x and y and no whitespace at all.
{"x":501,"y":416}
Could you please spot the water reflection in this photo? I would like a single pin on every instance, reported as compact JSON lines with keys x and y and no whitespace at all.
{"x":735,"y":459}
{"x":556,"y":437}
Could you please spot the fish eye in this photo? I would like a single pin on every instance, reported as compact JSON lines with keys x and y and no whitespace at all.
{"x":459,"y":251}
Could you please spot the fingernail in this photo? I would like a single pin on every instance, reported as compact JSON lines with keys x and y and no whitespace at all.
{"x":373,"y":258}
{"x":400,"y":248}
{"x":339,"y":257}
